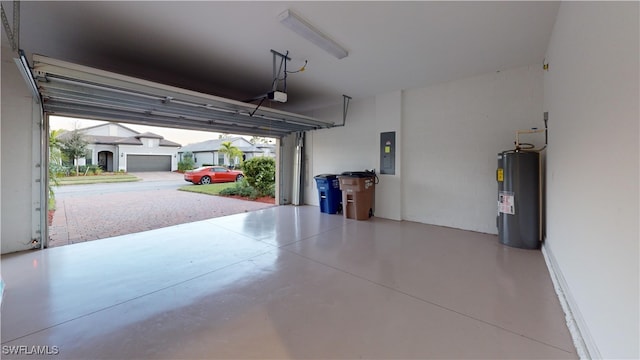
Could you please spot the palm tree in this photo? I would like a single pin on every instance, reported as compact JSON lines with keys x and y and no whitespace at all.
{"x":55,"y":147}
{"x":231,"y":151}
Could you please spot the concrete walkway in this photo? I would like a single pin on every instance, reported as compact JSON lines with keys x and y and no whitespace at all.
{"x":92,"y":217}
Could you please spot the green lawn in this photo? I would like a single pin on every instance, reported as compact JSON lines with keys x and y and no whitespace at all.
{"x":95,"y":179}
{"x":209,"y":189}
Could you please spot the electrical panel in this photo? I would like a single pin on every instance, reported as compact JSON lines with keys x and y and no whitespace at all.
{"x":388,"y":153}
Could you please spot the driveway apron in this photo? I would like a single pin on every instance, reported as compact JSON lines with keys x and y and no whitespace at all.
{"x":92,"y":217}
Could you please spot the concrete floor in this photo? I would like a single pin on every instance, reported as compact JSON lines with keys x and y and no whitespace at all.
{"x":285,"y":282}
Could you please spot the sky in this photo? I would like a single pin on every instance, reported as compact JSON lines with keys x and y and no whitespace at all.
{"x":182,"y":137}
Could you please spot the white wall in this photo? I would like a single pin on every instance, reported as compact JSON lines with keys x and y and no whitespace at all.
{"x":352,"y":147}
{"x":2,"y":63}
{"x":448,"y":139}
{"x":591,"y":93}
{"x":204,"y":158}
{"x":1,"y":281}
{"x":389,"y":188}
{"x":16,"y":157}
{"x":452,"y":135}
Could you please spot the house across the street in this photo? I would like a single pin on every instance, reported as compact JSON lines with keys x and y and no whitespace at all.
{"x":115,"y":147}
{"x":208,"y":152}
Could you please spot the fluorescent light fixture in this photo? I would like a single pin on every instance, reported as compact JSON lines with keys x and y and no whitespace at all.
{"x":301,"y":27}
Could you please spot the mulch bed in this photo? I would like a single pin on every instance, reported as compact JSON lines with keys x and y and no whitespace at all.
{"x":264,"y":199}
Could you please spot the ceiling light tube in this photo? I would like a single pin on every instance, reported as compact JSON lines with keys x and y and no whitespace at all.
{"x":301,"y":27}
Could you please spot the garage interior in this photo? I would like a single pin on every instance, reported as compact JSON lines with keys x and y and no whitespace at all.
{"x":425,"y":277}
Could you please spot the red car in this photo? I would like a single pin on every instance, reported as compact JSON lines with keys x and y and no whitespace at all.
{"x":212,"y":174}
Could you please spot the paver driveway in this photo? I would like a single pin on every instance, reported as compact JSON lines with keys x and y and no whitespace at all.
{"x":97,"y":216}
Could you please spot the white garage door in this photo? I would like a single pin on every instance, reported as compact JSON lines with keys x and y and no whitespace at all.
{"x":142,"y":163}
{"x":79,"y":91}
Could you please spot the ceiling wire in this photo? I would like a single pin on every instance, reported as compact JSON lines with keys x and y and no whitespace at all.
{"x":301,"y":68}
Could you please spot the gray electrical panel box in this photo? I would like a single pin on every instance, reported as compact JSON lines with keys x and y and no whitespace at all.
{"x":388,"y":153}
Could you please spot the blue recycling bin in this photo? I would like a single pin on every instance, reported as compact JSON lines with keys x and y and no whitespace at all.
{"x":329,"y":193}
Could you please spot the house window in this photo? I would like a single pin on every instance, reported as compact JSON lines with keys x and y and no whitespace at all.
{"x":220,"y":159}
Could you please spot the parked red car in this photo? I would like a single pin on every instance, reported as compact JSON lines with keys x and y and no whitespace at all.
{"x":212,"y":174}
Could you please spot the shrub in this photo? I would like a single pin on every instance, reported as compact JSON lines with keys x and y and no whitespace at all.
{"x":57,"y":170}
{"x":260,"y":173}
{"x":90,"y":170}
{"x":187,"y":162}
{"x":242,"y":189}
{"x":184,"y":166}
{"x":272,"y":190}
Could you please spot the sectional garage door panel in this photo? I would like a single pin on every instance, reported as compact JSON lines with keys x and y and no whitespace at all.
{"x":78,"y":91}
{"x":142,"y":163}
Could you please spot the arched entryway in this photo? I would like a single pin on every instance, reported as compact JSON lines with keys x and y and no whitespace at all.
{"x":105,"y":160}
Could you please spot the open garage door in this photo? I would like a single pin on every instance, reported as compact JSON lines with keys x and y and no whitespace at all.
{"x":67,"y":89}
{"x":73,"y":90}
{"x":142,"y":163}
{"x":78,"y":91}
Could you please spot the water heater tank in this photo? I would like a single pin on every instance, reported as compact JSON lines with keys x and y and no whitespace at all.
{"x":519,"y":199}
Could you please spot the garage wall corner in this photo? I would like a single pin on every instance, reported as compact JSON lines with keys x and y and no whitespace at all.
{"x":452,"y":135}
{"x":389,"y":188}
{"x":591,"y":92}
{"x":17,"y":156}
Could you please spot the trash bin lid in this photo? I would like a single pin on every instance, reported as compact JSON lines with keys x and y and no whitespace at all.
{"x":325,"y":176}
{"x":358,"y":174}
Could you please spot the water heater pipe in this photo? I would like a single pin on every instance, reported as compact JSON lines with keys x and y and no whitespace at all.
{"x":532,"y":131}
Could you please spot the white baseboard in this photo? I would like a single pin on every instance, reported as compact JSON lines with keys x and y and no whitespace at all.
{"x":582,"y":340}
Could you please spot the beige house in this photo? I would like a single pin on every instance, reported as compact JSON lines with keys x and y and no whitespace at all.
{"x":115,"y":147}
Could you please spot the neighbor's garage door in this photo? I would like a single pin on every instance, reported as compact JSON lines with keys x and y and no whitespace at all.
{"x":139,"y":163}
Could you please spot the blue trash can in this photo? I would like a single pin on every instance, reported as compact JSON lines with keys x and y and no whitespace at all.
{"x":329,"y":193}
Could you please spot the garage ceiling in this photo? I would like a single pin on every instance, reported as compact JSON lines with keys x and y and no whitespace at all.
{"x":223,"y":48}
